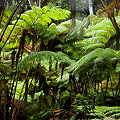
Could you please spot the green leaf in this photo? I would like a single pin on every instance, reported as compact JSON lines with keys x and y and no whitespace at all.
{"x":76,"y":66}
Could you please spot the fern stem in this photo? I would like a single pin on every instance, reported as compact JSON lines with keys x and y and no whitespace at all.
{"x":18,"y":105}
{"x":117,"y":89}
{"x":8,"y":21}
{"x":106,"y":91}
{"x":3,"y":11}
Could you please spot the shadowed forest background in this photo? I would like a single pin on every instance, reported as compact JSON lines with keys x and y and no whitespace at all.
{"x":59,"y":59}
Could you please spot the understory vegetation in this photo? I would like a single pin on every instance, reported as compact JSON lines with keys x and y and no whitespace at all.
{"x":52,"y":70}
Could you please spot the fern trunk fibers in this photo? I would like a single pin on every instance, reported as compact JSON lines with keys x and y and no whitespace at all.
{"x":101,"y":87}
{"x":62,"y":70}
{"x":117,"y":89}
{"x":12,"y":107}
{"x":112,"y":89}
{"x":50,"y":64}
{"x":21,"y":46}
{"x":26,"y":91}
{"x":79,"y":84}
{"x":36,"y":74}
{"x":106,"y":91}
{"x":70,"y":81}
{"x":11,"y":94}
{"x":73,"y":12}
{"x":86,"y":87}
{"x":56,"y":65}
{"x":5,"y":111}
{"x":95,"y":84}
{"x":117,"y":43}
{"x":8,"y":102}
{"x":82,"y":86}
{"x":13,"y":57}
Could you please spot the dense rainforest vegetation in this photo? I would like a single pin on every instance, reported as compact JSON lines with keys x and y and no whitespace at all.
{"x":59,"y":59}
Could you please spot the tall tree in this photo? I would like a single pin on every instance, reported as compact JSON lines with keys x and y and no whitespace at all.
{"x":73,"y":11}
{"x":90,"y":6}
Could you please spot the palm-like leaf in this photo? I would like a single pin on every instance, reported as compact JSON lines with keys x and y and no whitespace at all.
{"x":31,"y":59}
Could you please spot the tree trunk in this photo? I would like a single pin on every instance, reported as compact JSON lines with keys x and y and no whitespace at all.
{"x":90,"y":6}
{"x":73,"y":12}
{"x":39,"y":3}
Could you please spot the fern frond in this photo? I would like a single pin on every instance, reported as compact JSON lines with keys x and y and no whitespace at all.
{"x":105,"y":111}
{"x":104,"y":33}
{"x":76,"y":66}
{"x":77,"y":32}
{"x":34,"y":57}
{"x":104,"y":28}
{"x":113,"y":112}
{"x":108,"y":53}
{"x":21,"y":23}
{"x":93,"y":46}
{"x":100,"y":55}
{"x":95,"y":39}
{"x":43,"y":15}
{"x":45,"y":9}
{"x":38,"y":10}
{"x":117,"y":115}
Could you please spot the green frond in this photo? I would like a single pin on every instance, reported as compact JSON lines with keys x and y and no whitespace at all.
{"x":104,"y":33}
{"x":45,"y":9}
{"x":32,"y":13}
{"x":77,"y":32}
{"x":34,"y":57}
{"x":108,"y":53}
{"x":113,"y":111}
{"x":66,"y":13}
{"x":53,"y":15}
{"x":93,"y":46}
{"x":46,"y":18}
{"x":27,"y":18}
{"x":62,"y":28}
{"x":42,"y":16}
{"x":100,"y":55}
{"x":95,"y":39}
{"x":76,"y":66}
{"x":102,"y":25}
{"x":21,"y":23}
{"x":104,"y":28}
{"x":117,"y":115}
{"x":105,"y":111}
{"x":38,"y":10}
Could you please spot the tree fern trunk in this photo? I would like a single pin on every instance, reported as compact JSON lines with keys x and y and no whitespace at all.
{"x":117,"y":89}
{"x":106,"y":91}
{"x":50,"y":64}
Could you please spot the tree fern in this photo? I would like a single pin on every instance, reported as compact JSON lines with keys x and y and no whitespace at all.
{"x":100,"y":32}
{"x":105,"y":111}
{"x":76,"y":66}
{"x":106,"y":54}
{"x":41,"y":56}
{"x":43,"y":16}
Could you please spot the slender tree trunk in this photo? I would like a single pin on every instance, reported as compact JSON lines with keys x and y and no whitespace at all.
{"x":90,"y":6}
{"x":2,"y":4}
{"x":73,"y":12}
{"x":30,"y":4}
{"x":39,"y":3}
